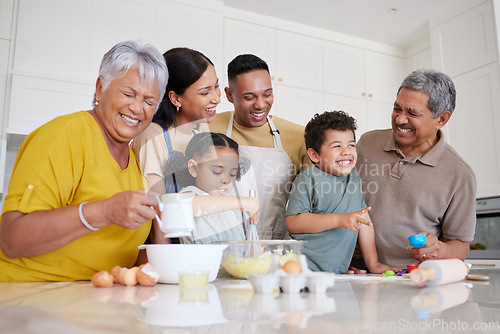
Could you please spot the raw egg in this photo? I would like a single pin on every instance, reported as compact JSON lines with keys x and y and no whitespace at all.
{"x":292,"y":267}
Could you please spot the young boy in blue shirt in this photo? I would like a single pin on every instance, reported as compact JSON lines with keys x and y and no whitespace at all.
{"x":326,"y":207}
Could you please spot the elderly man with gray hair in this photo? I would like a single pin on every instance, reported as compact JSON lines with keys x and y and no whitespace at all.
{"x":414,"y":181}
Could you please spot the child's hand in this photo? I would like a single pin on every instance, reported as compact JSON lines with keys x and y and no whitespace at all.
{"x":380,"y":268}
{"x":352,"y":221}
{"x":250,"y":205}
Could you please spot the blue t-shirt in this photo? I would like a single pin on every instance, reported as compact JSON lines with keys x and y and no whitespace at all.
{"x":317,"y":192}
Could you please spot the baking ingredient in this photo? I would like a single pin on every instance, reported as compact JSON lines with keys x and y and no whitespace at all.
{"x":240,"y":267}
{"x":114,"y":272}
{"x":147,"y":275}
{"x":193,"y":279}
{"x":128,"y":277}
{"x":102,"y":279}
{"x":292,"y":267}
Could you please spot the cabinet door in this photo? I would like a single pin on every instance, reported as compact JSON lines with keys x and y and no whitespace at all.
{"x":4,"y":61}
{"x":6,"y":9}
{"x":378,"y":115}
{"x":355,"y":107}
{"x":343,"y":70}
{"x":53,"y":38}
{"x":466,"y":42}
{"x":179,"y":25}
{"x":298,"y":61}
{"x":242,"y":37}
{"x":384,"y":74}
{"x":296,"y":105}
{"x":473,"y":129}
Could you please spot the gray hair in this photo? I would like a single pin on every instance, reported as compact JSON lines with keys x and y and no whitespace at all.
{"x":126,"y":55}
{"x":437,"y":85}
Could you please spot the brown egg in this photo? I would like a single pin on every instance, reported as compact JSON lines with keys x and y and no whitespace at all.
{"x":147,"y":275}
{"x":114,"y":272}
{"x":292,"y":267}
{"x":102,"y":279}
{"x":128,"y":277}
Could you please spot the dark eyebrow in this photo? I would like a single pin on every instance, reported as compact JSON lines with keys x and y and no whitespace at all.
{"x":252,"y":93}
{"x":207,"y":87}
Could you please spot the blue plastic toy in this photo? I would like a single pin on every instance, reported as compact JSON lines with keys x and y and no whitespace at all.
{"x":417,"y":240}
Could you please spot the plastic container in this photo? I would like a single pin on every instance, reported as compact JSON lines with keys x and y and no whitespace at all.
{"x":193,"y":278}
{"x":437,"y":272}
{"x":244,"y":257}
{"x":417,"y":240}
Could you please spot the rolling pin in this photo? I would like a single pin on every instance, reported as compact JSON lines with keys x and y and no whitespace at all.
{"x":437,"y":272}
{"x":440,"y":298}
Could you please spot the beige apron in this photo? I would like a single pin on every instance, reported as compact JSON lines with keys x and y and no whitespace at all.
{"x":270,"y":175}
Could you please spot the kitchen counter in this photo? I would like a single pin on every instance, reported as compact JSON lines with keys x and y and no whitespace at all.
{"x":355,"y":304}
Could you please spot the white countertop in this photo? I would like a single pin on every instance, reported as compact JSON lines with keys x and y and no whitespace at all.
{"x":355,"y":304}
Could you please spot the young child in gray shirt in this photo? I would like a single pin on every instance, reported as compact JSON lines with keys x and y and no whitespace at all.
{"x":326,"y":207}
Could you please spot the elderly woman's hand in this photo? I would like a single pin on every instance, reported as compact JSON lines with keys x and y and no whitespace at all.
{"x":128,"y":209}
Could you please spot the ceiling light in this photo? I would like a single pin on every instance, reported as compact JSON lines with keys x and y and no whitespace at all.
{"x":392,"y":10}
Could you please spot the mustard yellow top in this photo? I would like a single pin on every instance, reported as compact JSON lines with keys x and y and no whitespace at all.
{"x":292,"y":137}
{"x":66,"y":162}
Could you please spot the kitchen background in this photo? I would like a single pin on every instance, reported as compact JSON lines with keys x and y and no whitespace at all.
{"x":349,"y":55}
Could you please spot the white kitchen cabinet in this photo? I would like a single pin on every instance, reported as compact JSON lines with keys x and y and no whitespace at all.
{"x":474,"y":126}
{"x":298,"y":61}
{"x":296,"y":105}
{"x":359,"y":73}
{"x":369,"y":115}
{"x":4,"y":61}
{"x":202,"y":29}
{"x":6,"y":8}
{"x":61,"y":78}
{"x":465,"y":47}
{"x":242,"y":37}
{"x":294,"y":60}
{"x":465,"y":42}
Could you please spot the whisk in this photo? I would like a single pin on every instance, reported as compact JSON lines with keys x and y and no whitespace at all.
{"x":252,"y":234}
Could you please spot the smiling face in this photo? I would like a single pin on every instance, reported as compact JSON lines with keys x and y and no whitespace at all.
{"x":251,"y":94}
{"x":337,"y":155}
{"x":215,"y":172}
{"x":414,"y":128}
{"x":199,"y":100}
{"x":126,"y":107}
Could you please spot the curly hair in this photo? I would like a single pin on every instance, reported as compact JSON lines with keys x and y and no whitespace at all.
{"x":317,"y":127}
{"x":197,"y":147}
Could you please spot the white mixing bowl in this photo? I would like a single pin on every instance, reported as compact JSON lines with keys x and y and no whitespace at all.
{"x":169,"y":259}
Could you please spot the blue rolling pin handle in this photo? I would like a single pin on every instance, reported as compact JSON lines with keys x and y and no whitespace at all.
{"x":417,"y":240}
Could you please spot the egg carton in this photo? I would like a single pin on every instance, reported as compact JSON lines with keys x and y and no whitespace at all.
{"x":276,"y":278}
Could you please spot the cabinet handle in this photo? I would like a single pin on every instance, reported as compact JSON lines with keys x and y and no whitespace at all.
{"x":369,"y":95}
{"x":363,"y":94}
{"x":272,"y":78}
{"x":280,"y":79}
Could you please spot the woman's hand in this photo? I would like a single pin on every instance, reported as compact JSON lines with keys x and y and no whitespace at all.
{"x":352,"y":221}
{"x":128,"y":209}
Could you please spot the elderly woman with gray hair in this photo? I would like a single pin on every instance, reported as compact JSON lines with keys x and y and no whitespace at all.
{"x":76,"y":202}
{"x":414,"y":181}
